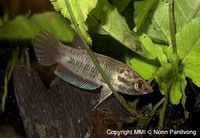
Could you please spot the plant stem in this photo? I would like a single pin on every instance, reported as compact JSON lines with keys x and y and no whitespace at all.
{"x":27,"y":57}
{"x":172,"y":26}
{"x":152,"y":77}
{"x":162,"y":115}
{"x":161,"y":121}
{"x":8,"y":73}
{"x":159,"y":103}
{"x":121,"y":99}
{"x":174,"y":50}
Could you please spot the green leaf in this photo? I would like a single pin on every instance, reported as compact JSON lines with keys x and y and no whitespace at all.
{"x":161,"y":50}
{"x":175,"y":93}
{"x":185,"y":11}
{"x":169,"y":80}
{"x":144,"y":66}
{"x":80,"y":9}
{"x":156,"y":23}
{"x":121,"y":4}
{"x":26,"y":28}
{"x":55,"y":5}
{"x":163,"y":78}
{"x":188,"y":48}
{"x":148,"y":66}
{"x":154,"y":51}
{"x":164,"y":47}
{"x":148,"y":46}
{"x":114,"y":24}
{"x":142,"y":11}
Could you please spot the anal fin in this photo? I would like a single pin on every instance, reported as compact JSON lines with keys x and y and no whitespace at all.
{"x":71,"y":77}
{"x":105,"y":93}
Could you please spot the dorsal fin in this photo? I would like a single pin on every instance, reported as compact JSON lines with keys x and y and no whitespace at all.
{"x":77,"y":43}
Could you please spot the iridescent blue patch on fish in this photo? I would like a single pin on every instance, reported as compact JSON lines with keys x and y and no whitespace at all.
{"x":74,"y":79}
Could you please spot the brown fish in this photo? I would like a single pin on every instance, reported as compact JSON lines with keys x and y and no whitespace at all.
{"x":77,"y":68}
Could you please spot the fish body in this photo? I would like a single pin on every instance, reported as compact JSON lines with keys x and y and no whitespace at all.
{"x":77,"y":68}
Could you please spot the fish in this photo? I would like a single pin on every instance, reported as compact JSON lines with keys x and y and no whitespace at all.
{"x":75,"y":66}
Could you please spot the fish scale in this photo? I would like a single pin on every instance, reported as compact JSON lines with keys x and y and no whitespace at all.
{"x":77,"y":68}
{"x":82,"y":65}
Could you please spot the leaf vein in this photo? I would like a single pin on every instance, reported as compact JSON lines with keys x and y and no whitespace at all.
{"x":192,"y":46}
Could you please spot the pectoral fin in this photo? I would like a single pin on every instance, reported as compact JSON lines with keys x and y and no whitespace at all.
{"x":105,"y":93}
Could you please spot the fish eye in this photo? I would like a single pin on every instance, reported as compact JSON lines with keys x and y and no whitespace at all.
{"x":139,"y":85}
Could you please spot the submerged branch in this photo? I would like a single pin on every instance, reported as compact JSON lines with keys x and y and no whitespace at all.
{"x":120,"y":98}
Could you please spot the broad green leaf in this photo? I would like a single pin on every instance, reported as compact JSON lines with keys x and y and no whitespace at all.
{"x":80,"y":9}
{"x":185,"y":11}
{"x":154,"y":51}
{"x":156,"y":24}
{"x":188,"y":48}
{"x":148,"y":45}
{"x":26,"y":28}
{"x":161,"y":50}
{"x":164,"y":47}
{"x":175,"y":93}
{"x":142,"y":11}
{"x":163,"y":78}
{"x":114,"y":24}
{"x":55,"y":5}
{"x":144,"y":66}
{"x":121,"y":4}
{"x":148,"y":66}
{"x":169,"y":80}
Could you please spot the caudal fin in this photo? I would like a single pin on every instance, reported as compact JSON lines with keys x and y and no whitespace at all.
{"x":46,"y":48}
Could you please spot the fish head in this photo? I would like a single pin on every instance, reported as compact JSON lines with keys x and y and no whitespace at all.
{"x":131,"y":83}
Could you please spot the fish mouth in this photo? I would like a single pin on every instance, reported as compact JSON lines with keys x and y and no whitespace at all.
{"x":145,"y":92}
{"x":149,"y":90}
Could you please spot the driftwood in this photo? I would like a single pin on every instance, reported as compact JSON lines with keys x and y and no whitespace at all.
{"x":63,"y":110}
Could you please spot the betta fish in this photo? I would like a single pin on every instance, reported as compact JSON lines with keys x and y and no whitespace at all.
{"x":77,"y":68}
